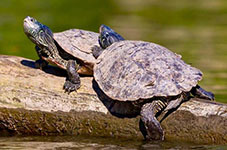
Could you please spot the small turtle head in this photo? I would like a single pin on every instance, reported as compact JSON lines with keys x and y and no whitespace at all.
{"x":36,"y":31}
{"x":108,"y":36}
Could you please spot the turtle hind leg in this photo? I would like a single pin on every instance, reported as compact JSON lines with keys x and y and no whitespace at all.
{"x":173,"y":104}
{"x":149,"y":125}
{"x":201,"y":93}
{"x":72,"y":82}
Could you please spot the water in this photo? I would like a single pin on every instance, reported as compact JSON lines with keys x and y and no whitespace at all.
{"x":84,"y":143}
{"x":197,"y":30}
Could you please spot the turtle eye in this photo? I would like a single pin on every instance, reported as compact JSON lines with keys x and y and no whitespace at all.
{"x":41,"y":32}
{"x":104,"y":40}
{"x":106,"y":37}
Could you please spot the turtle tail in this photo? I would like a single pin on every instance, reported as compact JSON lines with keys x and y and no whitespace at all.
{"x":199,"y":92}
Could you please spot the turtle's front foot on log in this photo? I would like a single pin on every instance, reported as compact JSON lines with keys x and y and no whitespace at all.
{"x":70,"y":87}
{"x":72,"y":82}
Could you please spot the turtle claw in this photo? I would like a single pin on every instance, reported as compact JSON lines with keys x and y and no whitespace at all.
{"x":70,"y":87}
{"x":40,"y":64}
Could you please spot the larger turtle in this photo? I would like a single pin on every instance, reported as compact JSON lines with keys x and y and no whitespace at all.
{"x":142,"y":78}
{"x":70,"y":50}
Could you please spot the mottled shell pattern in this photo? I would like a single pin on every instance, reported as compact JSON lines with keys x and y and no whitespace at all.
{"x":132,"y":70}
{"x":78,"y":43}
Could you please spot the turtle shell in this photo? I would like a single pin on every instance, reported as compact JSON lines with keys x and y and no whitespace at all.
{"x":78,"y":43}
{"x":133,"y":70}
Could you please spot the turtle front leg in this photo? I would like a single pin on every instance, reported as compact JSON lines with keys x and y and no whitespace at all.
{"x":40,"y":63}
{"x":149,"y":125}
{"x":173,"y":104}
{"x":72,"y":82}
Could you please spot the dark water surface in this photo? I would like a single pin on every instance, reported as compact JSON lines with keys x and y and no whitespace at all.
{"x":94,"y":143}
{"x":197,"y":30}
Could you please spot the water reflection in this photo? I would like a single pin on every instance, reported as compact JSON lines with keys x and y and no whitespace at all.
{"x":85,"y":143}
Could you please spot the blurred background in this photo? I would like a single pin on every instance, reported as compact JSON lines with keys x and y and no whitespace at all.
{"x":195,"y":29}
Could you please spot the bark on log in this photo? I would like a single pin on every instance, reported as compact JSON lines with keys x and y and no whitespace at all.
{"x":32,"y":102}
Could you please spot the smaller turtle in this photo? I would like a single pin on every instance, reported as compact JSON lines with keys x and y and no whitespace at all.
{"x":70,"y":50}
{"x":142,"y":78}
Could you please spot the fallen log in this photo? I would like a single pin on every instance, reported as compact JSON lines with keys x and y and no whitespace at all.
{"x":32,"y":102}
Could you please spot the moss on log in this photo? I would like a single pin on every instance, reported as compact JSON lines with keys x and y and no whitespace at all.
{"x":32,"y":102}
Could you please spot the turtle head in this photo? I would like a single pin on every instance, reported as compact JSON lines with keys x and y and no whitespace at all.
{"x":38,"y":33}
{"x":108,"y":36}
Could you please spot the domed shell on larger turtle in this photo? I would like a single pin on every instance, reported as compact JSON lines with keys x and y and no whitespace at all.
{"x":132,"y":70}
{"x":79,"y":43}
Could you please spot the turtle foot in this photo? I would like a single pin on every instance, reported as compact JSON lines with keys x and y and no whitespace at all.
{"x":155,"y":131}
{"x":40,"y":64}
{"x":149,"y":125}
{"x":152,"y":130}
{"x":70,"y":87}
{"x":72,"y":82}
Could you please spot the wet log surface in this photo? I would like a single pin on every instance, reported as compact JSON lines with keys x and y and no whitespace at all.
{"x":32,"y":102}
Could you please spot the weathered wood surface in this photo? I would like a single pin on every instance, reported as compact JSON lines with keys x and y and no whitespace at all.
{"x":32,"y":102}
